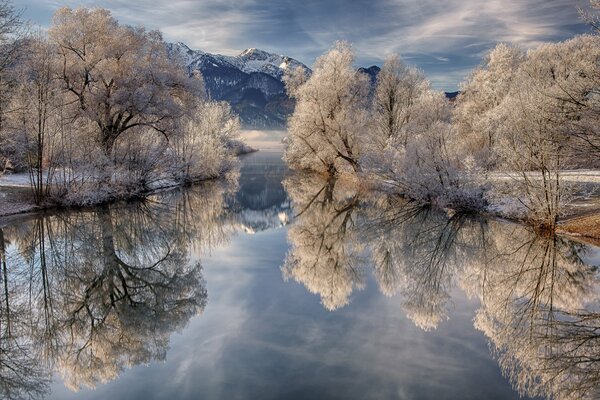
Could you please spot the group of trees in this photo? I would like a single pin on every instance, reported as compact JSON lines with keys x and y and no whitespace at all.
{"x":521,"y":118}
{"x":96,"y":110}
{"x":538,"y":295}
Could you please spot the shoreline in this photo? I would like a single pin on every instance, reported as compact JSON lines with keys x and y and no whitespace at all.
{"x":11,"y":205}
{"x":580,"y":224}
{"x":32,"y":209}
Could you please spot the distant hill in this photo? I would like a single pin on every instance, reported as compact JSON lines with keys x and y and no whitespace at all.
{"x":251,"y":82}
{"x":452,"y":95}
{"x":372,"y":71}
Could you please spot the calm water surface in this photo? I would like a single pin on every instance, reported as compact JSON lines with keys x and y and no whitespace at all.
{"x":286,"y":286}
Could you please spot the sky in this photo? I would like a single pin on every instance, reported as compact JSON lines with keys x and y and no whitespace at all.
{"x":445,"y":38}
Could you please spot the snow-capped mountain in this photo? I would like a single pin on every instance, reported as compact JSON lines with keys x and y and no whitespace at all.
{"x":255,"y":60}
{"x":251,"y":82}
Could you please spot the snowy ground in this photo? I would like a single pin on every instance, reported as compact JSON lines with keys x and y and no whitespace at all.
{"x":586,"y":190}
{"x":14,"y":180}
{"x":15,"y":199}
{"x":579,"y":176}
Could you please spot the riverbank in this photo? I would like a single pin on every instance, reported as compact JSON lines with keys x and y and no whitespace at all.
{"x":16,"y":200}
{"x":585,"y":227}
{"x":16,"y":197}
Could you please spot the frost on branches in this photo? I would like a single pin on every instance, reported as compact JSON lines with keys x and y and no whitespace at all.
{"x":528,"y":116}
{"x":329,"y":123}
{"x":522,"y":118}
{"x":401,"y":135}
{"x":100,"y":112}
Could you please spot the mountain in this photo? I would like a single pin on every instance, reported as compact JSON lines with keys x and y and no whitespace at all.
{"x":372,"y":71}
{"x":452,"y":96}
{"x":252,"y":82}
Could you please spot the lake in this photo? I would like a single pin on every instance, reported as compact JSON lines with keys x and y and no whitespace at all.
{"x":289,"y":286}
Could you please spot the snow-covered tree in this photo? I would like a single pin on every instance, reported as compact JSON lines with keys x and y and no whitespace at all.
{"x":486,"y":87}
{"x":120,"y":76}
{"x":399,"y":89}
{"x":591,"y":15}
{"x":545,"y":122}
{"x":100,"y":112}
{"x":11,"y":37}
{"x":412,"y":144}
{"x":34,"y":118}
{"x":328,"y":127}
{"x":204,"y":145}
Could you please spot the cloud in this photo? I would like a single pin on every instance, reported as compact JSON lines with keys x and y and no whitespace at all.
{"x":450,"y":33}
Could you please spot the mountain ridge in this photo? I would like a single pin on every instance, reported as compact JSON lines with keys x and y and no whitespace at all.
{"x":252,"y":82}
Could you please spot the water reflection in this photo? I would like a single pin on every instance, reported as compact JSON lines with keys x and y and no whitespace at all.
{"x":87,"y":294}
{"x":538,"y":298}
{"x":540,"y":314}
{"x":261,"y":203}
{"x":326,"y":253}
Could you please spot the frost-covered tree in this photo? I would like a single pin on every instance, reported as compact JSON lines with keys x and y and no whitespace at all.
{"x":120,"y":76}
{"x":34,"y":118}
{"x":569,"y":73}
{"x":399,"y":89}
{"x":328,"y":128}
{"x":475,"y":114}
{"x":545,"y":123}
{"x":203,"y":146}
{"x":412,"y":143}
{"x":12,"y":34}
{"x":99,"y":112}
{"x":591,"y":15}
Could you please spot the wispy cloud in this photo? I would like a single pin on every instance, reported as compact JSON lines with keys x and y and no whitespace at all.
{"x":438,"y":35}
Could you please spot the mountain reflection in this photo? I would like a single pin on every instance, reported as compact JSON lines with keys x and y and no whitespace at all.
{"x":539,"y":301}
{"x":261,"y":203}
{"x":89,"y":293}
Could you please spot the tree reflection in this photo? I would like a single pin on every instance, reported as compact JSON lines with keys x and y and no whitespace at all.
{"x":539,"y":311}
{"x":90,"y":293}
{"x":325,"y":254}
{"x":339,"y":230}
{"x":540,"y":302}
{"x":20,"y":373}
